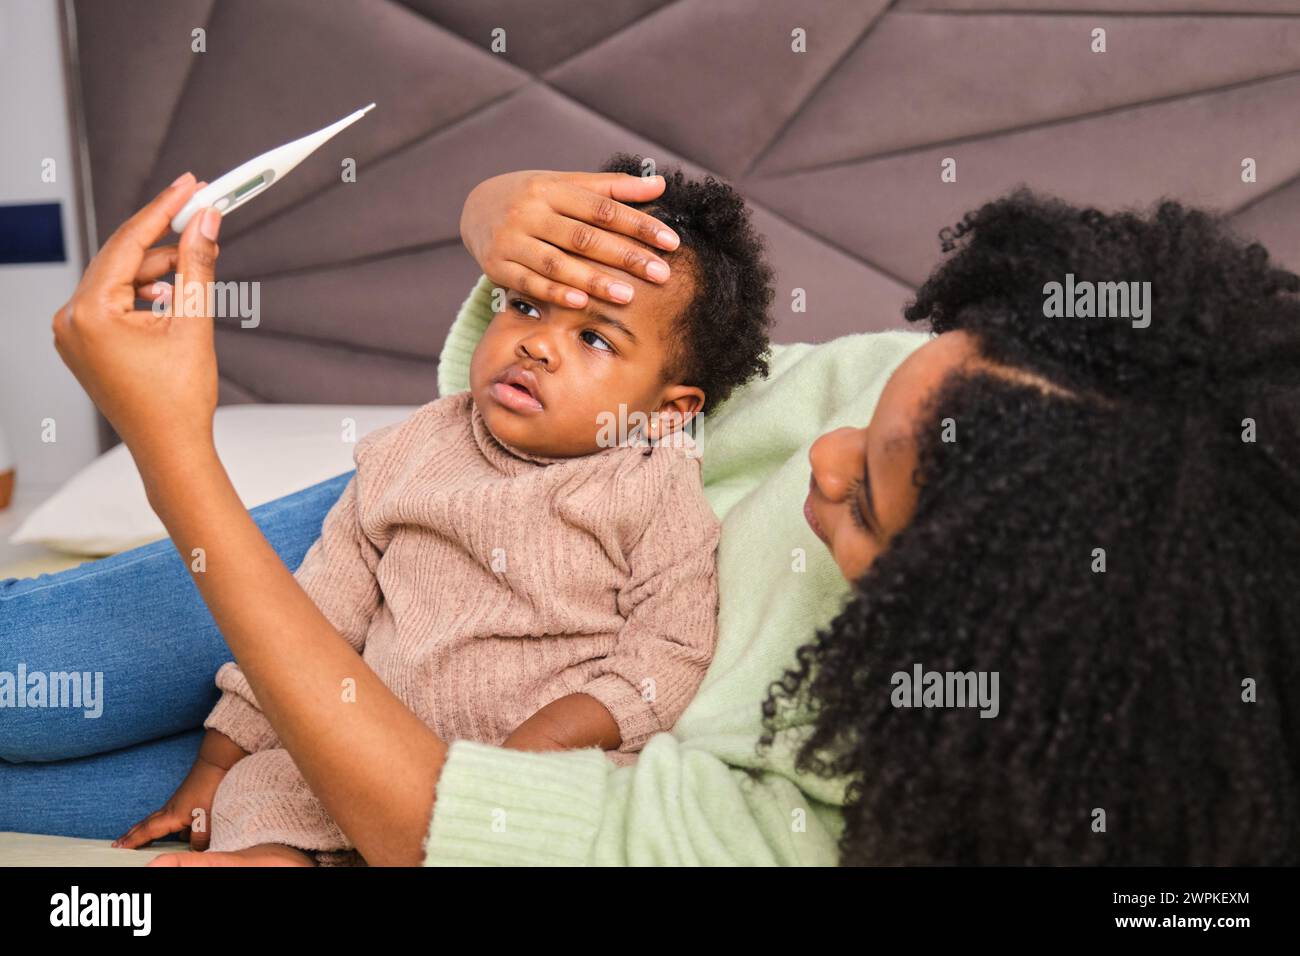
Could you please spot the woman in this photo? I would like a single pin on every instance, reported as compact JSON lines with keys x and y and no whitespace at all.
{"x":1107,"y":518}
{"x":1057,"y":503}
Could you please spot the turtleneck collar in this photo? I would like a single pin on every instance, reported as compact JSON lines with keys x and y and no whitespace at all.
{"x":506,"y":458}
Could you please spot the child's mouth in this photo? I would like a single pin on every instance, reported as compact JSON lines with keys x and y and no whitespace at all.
{"x":516,"y":389}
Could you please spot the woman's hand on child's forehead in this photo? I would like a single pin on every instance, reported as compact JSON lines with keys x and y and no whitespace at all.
{"x":521,"y":227}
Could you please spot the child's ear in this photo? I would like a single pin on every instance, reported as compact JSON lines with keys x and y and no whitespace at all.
{"x":679,"y":404}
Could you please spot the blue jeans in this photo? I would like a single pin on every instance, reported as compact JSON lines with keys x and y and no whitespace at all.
{"x":137,"y":619}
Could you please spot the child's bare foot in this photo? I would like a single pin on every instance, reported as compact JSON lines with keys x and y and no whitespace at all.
{"x":264,"y":854}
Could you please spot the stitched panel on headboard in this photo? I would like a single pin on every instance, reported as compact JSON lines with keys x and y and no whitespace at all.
{"x":838,"y":147}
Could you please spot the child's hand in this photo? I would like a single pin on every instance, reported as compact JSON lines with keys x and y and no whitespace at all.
{"x":570,"y":723}
{"x":178,"y":814}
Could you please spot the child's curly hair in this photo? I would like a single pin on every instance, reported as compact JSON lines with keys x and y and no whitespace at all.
{"x":1125,"y":691}
{"x":723,"y":340}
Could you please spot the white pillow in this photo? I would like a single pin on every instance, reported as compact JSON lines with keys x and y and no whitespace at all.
{"x":268,"y":450}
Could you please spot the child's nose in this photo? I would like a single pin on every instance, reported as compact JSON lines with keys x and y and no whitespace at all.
{"x":537,"y":349}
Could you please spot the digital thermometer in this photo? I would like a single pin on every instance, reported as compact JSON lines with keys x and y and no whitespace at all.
{"x":227,"y":193}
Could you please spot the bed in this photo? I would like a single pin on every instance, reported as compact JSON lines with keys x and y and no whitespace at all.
{"x":28,"y":849}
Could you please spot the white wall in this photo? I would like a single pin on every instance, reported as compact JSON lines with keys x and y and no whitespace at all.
{"x":34,"y":125}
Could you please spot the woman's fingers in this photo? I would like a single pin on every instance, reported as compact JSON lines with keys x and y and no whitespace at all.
{"x":561,"y":278}
{"x":157,"y":262}
{"x":108,"y":285}
{"x":125,"y":358}
{"x":604,"y":212}
{"x":599,"y":246}
{"x":122,"y":255}
{"x":197,"y":257}
{"x":516,"y":275}
{"x":626,"y":188}
{"x":153,"y":291}
{"x":596,"y":229}
{"x":549,"y":233}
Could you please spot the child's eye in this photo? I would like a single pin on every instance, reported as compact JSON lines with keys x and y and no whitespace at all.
{"x":603,"y":346}
{"x":526,"y":305}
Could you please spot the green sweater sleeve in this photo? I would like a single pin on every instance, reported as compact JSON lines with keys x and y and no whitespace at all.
{"x":677,"y":805}
{"x":705,"y":793}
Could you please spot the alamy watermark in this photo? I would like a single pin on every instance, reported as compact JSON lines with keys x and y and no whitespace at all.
{"x":75,"y":908}
{"x":662,"y":429}
{"x":922,"y":688}
{"x":1101,"y":300}
{"x":72,"y":689}
{"x":224,"y":300}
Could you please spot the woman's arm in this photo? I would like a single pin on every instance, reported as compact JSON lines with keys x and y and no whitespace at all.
{"x":372,"y":763}
{"x":709,"y":802}
{"x":338,"y":573}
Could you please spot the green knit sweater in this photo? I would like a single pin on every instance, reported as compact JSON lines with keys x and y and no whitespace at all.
{"x":702,"y":794}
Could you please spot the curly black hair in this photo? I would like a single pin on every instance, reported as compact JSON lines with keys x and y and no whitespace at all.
{"x":722,"y":333}
{"x":1161,"y":690}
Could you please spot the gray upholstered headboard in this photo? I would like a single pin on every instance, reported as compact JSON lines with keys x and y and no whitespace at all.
{"x":839,"y":147}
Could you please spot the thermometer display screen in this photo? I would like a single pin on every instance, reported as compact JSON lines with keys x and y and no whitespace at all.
{"x":249,"y":186}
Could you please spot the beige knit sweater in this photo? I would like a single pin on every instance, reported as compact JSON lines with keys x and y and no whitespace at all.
{"x":481,"y":583}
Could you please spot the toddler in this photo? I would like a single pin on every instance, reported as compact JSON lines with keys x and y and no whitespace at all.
{"x":511,"y":574}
